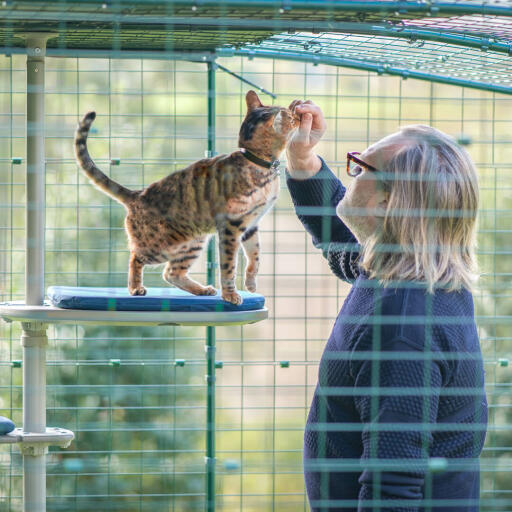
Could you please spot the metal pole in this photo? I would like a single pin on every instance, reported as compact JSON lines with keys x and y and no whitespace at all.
{"x":210,"y":331}
{"x":35,"y":217}
{"x":34,"y":341}
{"x":33,"y":338}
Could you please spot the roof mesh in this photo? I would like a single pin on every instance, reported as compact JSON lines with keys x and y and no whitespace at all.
{"x":461,"y":42}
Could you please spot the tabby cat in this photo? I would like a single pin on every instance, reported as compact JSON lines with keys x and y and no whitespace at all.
{"x":170,"y":220}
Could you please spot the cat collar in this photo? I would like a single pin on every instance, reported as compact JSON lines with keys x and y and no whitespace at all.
{"x":256,"y":160}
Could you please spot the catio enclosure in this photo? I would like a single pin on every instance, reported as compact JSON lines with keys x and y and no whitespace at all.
{"x":168,"y":81}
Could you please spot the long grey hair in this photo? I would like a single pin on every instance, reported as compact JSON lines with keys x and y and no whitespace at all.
{"x":428,"y":233}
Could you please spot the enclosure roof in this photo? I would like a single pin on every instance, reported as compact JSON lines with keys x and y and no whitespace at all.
{"x":461,"y":42}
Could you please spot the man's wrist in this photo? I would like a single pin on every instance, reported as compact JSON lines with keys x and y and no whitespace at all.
{"x":303,"y":168}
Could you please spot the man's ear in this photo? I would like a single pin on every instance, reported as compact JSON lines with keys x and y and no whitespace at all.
{"x":384,"y":202}
{"x":252,"y":100}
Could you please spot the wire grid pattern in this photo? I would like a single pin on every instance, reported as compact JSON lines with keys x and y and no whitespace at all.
{"x":282,"y":11}
{"x":473,"y":46}
{"x":493,"y":27}
{"x":135,"y":398}
{"x":430,"y":57}
{"x":145,"y":25}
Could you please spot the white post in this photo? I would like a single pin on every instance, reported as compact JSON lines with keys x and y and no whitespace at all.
{"x":34,"y":341}
{"x":34,"y":338}
{"x":35,"y":217}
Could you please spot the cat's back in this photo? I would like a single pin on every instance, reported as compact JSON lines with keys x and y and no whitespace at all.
{"x":177,"y":186}
{"x":209,"y":186}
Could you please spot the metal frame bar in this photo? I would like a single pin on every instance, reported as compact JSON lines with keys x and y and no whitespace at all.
{"x":432,"y":7}
{"x":244,"y":80}
{"x":210,"y":347}
{"x":117,"y":54}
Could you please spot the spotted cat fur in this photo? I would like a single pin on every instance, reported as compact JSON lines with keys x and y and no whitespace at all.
{"x":170,"y":220}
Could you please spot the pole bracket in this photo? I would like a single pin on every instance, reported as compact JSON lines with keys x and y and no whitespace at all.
{"x":34,"y":443}
{"x":36,"y":42}
{"x":34,"y":334}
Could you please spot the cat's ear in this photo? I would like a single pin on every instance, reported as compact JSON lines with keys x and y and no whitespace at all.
{"x":252,"y":100}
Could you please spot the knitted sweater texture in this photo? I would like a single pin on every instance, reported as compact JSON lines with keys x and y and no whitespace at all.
{"x":399,"y":414}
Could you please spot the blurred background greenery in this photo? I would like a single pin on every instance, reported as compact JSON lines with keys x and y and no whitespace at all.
{"x":140,"y":425}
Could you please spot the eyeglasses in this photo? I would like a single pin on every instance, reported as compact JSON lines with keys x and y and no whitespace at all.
{"x":355,"y":165}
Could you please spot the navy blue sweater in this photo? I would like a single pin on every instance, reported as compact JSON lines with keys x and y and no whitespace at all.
{"x":399,"y":414}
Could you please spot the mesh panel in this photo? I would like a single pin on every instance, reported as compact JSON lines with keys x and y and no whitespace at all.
{"x":136,"y":397}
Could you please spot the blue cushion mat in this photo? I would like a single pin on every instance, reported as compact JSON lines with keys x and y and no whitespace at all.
{"x":156,"y":299}
{"x":6,"y":425}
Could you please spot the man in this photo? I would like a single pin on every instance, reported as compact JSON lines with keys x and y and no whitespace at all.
{"x":401,"y":381}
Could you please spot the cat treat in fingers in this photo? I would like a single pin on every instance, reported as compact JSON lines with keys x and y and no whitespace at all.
{"x":170,"y":220}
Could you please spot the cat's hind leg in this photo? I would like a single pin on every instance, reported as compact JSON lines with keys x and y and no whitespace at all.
{"x":251,"y":245}
{"x":176,"y":270}
{"x":135,"y":269}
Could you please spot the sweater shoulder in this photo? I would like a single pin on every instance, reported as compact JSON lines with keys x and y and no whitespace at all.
{"x":408,"y":312}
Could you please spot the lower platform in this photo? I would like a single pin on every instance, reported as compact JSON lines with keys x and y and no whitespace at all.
{"x":19,"y":312}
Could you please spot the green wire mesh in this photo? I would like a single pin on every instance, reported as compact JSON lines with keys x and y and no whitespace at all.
{"x":404,"y":57}
{"x":136,"y":398}
{"x":427,"y":40}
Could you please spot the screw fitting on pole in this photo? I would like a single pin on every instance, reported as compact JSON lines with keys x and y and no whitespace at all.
{"x":34,"y":335}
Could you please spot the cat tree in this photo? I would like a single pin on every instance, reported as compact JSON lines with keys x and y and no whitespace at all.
{"x":459,"y":43}
{"x":35,"y":314}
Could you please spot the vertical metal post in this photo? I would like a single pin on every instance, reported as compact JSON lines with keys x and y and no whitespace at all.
{"x":210,"y":331}
{"x":35,"y":216}
{"x":33,"y":338}
{"x":34,"y":341}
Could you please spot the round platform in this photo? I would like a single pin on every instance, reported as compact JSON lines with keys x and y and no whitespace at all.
{"x":19,"y":312}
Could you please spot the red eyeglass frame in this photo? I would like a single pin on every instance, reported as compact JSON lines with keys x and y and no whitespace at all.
{"x":351,"y":156}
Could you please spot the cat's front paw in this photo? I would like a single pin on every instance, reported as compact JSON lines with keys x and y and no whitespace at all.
{"x":140,"y":290}
{"x":233,"y":297}
{"x":208,"y":290}
{"x":250,"y":282}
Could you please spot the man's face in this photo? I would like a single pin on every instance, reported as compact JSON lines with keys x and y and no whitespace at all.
{"x":365,"y":201}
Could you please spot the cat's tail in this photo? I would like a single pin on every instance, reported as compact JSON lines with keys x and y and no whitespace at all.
{"x":102,"y":181}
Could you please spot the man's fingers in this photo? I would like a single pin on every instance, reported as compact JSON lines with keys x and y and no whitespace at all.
{"x":318,"y":121}
{"x":294,"y":103}
{"x":308,"y":107}
{"x":306,"y":120}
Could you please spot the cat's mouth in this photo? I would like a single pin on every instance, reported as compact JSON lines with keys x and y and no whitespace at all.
{"x":286,"y":122}
{"x":294,"y":127}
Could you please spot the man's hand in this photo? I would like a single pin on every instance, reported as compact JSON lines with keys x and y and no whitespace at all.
{"x":302,"y":160}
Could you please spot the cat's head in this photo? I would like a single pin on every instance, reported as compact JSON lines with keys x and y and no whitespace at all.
{"x":266,"y":129}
